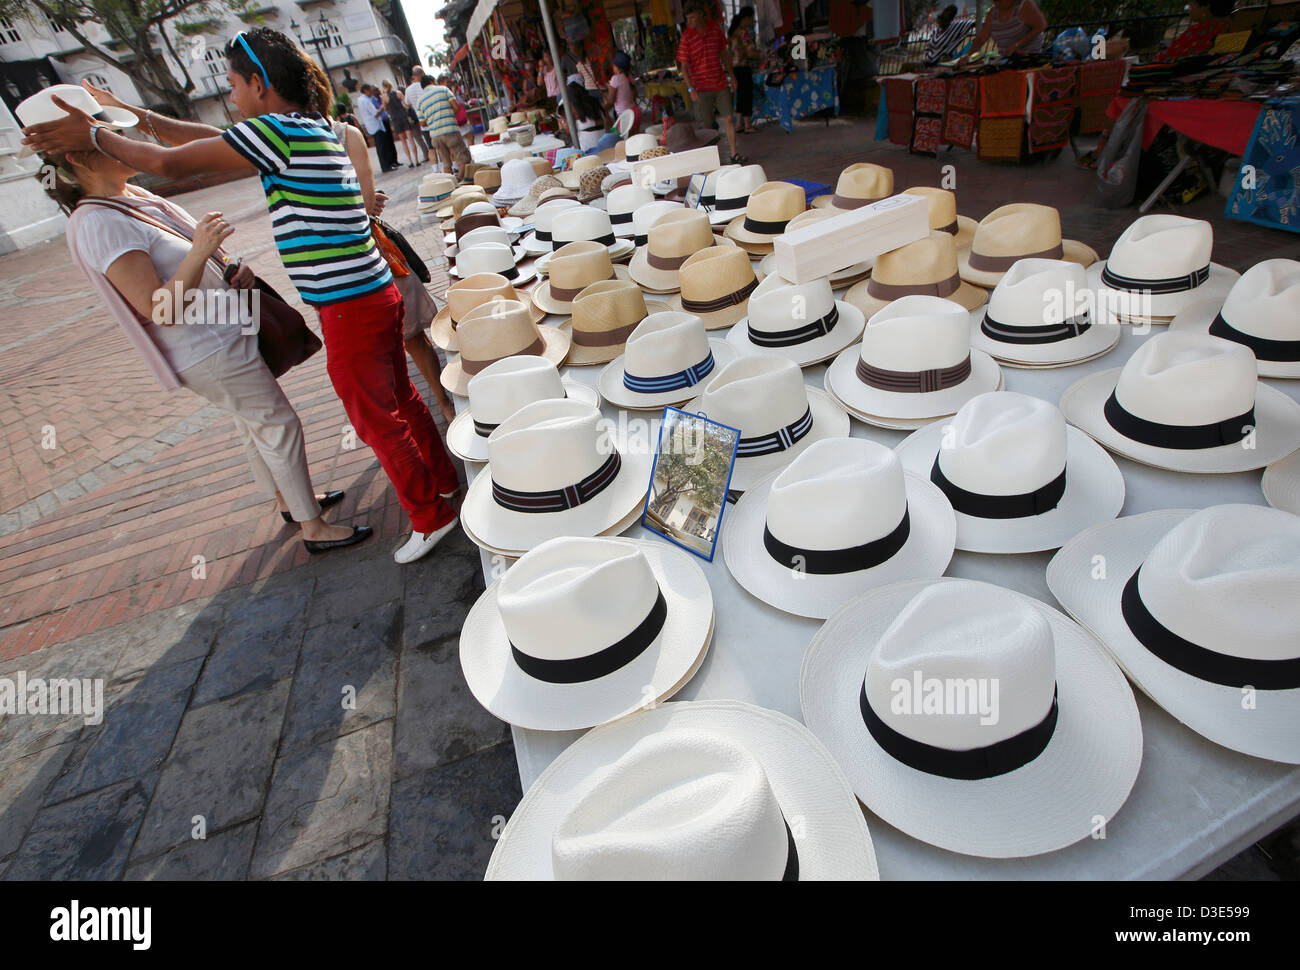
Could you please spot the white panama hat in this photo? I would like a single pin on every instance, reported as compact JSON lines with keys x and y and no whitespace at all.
{"x":1042,"y":314}
{"x":517,"y":177}
{"x":1018,"y":477}
{"x":731,"y":192}
{"x":1259,"y":311}
{"x":1159,"y":265}
{"x":1281,"y":484}
{"x":665,"y":361}
{"x":779,"y":416}
{"x":554,"y":469}
{"x":1201,"y":609}
{"x":493,"y":257}
{"x":802,"y":322}
{"x":1187,"y":402}
{"x":899,"y":685}
{"x":40,"y":108}
{"x":646,"y":215}
{"x":584,"y":630}
{"x":701,"y":790}
{"x":708,"y":196}
{"x":538,"y":242}
{"x":485,"y":234}
{"x":584,"y":224}
{"x":915,"y":362}
{"x":501,"y":389}
{"x":622,"y":202}
{"x":842,"y":519}
{"x":636,"y":144}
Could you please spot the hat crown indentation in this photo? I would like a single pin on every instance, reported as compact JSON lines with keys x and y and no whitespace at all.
{"x":757,"y":394}
{"x":1188,"y":379}
{"x":916,"y":333}
{"x":860,"y":481}
{"x":1005,"y":443}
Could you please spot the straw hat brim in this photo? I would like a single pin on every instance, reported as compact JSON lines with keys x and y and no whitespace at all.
{"x":499,"y":684}
{"x":581,"y":355}
{"x":829,"y":421}
{"x":534,"y":246}
{"x":721,"y":217}
{"x":660,"y":280}
{"x":1094,"y":493}
{"x":619,"y":249}
{"x":1089,"y":760}
{"x":611,"y":387}
{"x":1071,"y":250}
{"x":841,"y":277}
{"x":718,"y":319}
{"x":804,"y":778}
{"x":925,"y":554}
{"x":444,"y":337}
{"x":1270,"y":728}
{"x":1098,"y":339}
{"x":492,"y":526}
{"x":467,"y":444}
{"x":736,"y":230}
{"x":542,"y":299}
{"x":452,"y":250}
{"x":1281,"y":484}
{"x":967,"y":296}
{"x":1141,"y":308}
{"x":1277,"y":430}
{"x":985,"y":375}
{"x":847,"y":330}
{"x":555,"y":349}
{"x":1197,"y":317}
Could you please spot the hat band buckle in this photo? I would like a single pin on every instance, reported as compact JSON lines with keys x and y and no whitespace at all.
{"x":779,"y":440}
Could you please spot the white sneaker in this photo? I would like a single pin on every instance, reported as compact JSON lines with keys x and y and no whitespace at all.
{"x":421,"y":543}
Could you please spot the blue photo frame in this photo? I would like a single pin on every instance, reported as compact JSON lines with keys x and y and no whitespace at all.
{"x":672,"y":510}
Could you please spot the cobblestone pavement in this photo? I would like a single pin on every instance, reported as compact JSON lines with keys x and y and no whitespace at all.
{"x":309,"y":716}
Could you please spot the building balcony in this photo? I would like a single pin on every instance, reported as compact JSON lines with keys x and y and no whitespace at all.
{"x":209,"y":86}
{"x":354,"y":52}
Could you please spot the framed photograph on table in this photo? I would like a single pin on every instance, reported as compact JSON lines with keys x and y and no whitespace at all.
{"x":690,"y":481}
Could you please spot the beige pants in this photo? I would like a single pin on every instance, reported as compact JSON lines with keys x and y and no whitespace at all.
{"x":237,"y":380}
{"x":452,"y":148}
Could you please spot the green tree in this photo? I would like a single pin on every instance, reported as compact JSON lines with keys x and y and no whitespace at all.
{"x":694,"y":456}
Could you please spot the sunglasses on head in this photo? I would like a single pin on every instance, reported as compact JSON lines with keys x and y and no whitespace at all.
{"x":243,"y":42}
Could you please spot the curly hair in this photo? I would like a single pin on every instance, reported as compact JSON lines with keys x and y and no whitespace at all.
{"x":292,"y":74}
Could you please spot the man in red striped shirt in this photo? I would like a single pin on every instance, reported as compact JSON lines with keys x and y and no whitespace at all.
{"x":705,"y":61}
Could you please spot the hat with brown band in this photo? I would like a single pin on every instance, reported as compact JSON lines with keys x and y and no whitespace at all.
{"x":943,"y":214}
{"x":583,"y":163}
{"x":461,"y":196}
{"x":574,"y":267}
{"x":858,"y":185}
{"x":1020,"y":230}
{"x":716,"y":284}
{"x":674,"y":238}
{"x":464,"y":296}
{"x":604,"y":316}
{"x":488,"y":178}
{"x":496,"y":330}
{"x":927,"y":267}
{"x":767,"y":213}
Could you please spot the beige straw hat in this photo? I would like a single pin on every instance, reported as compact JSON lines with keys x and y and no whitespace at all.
{"x":716,"y":284}
{"x":572,"y":179}
{"x":498,"y":125}
{"x":943,"y":214}
{"x":767,"y":214}
{"x":466,"y":295}
{"x":488,"y":178}
{"x":1013,"y":232}
{"x":495,"y":330}
{"x":927,"y":267}
{"x":858,"y":185}
{"x":673,"y":238}
{"x":574,"y":267}
{"x":604,"y":316}
{"x":540,"y":165}
{"x":461,"y":196}
{"x":589,"y":184}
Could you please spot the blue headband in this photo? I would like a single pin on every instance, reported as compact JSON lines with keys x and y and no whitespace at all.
{"x":239,"y":37}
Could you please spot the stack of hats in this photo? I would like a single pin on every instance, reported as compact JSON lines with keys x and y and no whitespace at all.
{"x":495,"y":330}
{"x":582,"y":223}
{"x":435,"y":190}
{"x":540,"y":240}
{"x":517,"y":177}
{"x":926,"y":267}
{"x":460,"y":197}
{"x":665,"y":361}
{"x":488,"y":178}
{"x":646,"y":215}
{"x":621,"y":202}
{"x":673,"y":238}
{"x":528,"y":204}
{"x":716,"y":284}
{"x":605,"y":315}
{"x":731,"y":191}
{"x":573,"y":268}
{"x":469,"y":293}
{"x":802,"y":322}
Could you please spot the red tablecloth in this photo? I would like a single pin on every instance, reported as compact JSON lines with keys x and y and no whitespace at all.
{"x":1223,"y":124}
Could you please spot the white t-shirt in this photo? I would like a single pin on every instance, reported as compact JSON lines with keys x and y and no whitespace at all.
{"x":587,"y":137}
{"x":413,"y":92}
{"x":105,"y":235}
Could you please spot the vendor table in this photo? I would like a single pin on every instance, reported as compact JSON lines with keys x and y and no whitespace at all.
{"x":493,"y":152}
{"x":1223,"y":124}
{"x":797,"y":97}
{"x":1194,"y":804}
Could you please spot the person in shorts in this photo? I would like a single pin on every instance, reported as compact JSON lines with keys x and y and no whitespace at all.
{"x":706,"y":63}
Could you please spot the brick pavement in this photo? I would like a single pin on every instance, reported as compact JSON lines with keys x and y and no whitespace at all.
{"x":98,"y":540}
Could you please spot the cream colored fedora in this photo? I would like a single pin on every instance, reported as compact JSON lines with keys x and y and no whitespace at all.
{"x":915,"y":363}
{"x":637,"y":144}
{"x":842,"y":519}
{"x":584,"y":224}
{"x":498,"y":391}
{"x":1043,"y":314}
{"x":540,"y":241}
{"x":466,"y":294}
{"x":1260,"y":311}
{"x":1159,"y":266}
{"x":460,"y":197}
{"x":528,"y":204}
{"x":666,"y":360}
{"x":574,"y":266}
{"x":1187,"y":402}
{"x":498,"y":329}
{"x":802,"y":322}
{"x":1018,"y":477}
{"x":708,"y":195}
{"x":493,"y":257}
{"x":731,"y":191}
{"x":622,"y":201}
{"x":779,"y":416}
{"x":604,"y":316}
{"x":927,"y":267}
{"x":555,"y":468}
{"x":434,"y":191}
{"x":572,"y":179}
{"x":859,"y":184}
{"x":716,"y":286}
{"x":674,"y":238}
{"x":1017,"y":231}
{"x":767,"y":213}
{"x":483,"y":234}
{"x":1200,"y":609}
{"x":943,"y":214}
{"x":841,"y":277}
{"x":646,"y":215}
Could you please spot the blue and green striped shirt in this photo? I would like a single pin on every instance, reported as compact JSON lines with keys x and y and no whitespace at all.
{"x":317,"y":212}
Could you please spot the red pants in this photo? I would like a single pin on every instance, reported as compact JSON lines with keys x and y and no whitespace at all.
{"x":367,"y":365}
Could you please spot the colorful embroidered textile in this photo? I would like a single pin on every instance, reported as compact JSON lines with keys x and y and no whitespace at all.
{"x":958,"y":127}
{"x":927,"y":135}
{"x":1002,"y":95}
{"x":931,"y":95}
{"x":1051,"y":109}
{"x":1000,"y":138}
{"x":1274,"y":153}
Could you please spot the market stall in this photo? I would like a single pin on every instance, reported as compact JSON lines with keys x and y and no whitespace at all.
{"x":800,"y":93}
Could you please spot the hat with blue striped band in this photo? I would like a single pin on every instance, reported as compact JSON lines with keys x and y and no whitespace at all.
{"x":665,"y":361}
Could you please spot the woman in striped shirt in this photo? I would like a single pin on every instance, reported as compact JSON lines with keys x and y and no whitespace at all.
{"x":322,"y":232}
{"x":1014,"y":25}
